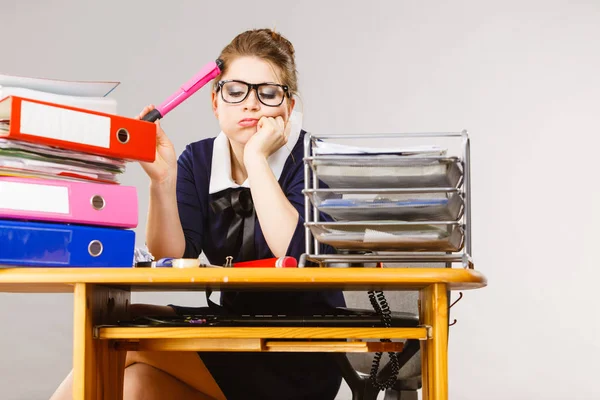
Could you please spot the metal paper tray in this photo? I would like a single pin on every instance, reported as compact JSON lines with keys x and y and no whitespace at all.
{"x":389,"y":171}
{"x":389,"y":236}
{"x":374,"y":204}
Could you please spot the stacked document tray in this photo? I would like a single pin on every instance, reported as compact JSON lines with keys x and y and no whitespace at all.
{"x":396,"y":204}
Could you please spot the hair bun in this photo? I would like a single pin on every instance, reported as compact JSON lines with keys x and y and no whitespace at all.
{"x":283,"y":41}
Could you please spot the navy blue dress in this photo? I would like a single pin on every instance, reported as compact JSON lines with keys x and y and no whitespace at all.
{"x":224,"y":224}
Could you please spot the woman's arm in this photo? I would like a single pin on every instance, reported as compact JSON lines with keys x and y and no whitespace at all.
{"x":277,"y":216}
{"x":164,"y":235}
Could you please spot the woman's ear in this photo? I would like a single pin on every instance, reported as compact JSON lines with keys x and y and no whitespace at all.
{"x":291,"y":104}
{"x":213,"y":99}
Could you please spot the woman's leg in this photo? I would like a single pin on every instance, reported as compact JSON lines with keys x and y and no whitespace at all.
{"x":150,"y":375}
{"x":185,"y":366}
{"x":148,"y":383}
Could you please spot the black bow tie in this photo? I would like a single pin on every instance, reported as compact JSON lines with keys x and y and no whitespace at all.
{"x":240,"y":200}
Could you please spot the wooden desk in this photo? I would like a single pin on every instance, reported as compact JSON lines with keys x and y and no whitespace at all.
{"x":102,"y":296}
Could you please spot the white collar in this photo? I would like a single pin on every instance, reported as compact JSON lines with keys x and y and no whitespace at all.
{"x":220,"y":177}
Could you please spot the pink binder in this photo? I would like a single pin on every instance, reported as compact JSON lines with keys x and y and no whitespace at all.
{"x":68,"y":202}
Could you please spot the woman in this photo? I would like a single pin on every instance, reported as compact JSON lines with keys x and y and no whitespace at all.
{"x":238,"y":195}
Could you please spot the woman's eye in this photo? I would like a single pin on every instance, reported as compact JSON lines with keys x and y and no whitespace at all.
{"x":238,"y":93}
{"x":268,"y":96}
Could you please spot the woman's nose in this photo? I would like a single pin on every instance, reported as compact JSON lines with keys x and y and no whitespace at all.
{"x":252,"y":100}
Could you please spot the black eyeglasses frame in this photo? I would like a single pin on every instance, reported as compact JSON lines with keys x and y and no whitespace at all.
{"x":252,"y":86}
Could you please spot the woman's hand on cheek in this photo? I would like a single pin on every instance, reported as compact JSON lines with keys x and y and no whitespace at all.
{"x":271,"y":135}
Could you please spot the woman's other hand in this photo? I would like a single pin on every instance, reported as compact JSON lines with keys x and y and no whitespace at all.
{"x":271,"y":135}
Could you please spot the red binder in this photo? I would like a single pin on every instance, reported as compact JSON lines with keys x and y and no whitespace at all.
{"x":77,"y":129}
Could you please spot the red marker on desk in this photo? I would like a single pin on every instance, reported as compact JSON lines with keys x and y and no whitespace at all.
{"x":281,"y":262}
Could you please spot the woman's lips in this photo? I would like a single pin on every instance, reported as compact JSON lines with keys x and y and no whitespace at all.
{"x":248,"y":122}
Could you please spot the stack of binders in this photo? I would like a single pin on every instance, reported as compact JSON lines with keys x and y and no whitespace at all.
{"x":62,"y":146}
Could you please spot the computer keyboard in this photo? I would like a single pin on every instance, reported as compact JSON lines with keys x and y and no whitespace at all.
{"x":336,"y":318}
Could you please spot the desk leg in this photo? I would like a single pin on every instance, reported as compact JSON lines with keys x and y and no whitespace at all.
{"x":97,"y":368}
{"x":434,"y":351}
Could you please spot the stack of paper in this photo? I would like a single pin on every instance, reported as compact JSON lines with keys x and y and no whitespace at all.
{"x":30,"y":160}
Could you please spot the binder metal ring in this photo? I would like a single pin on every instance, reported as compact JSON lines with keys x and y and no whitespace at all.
{"x":123,"y":135}
{"x":97,"y":202}
{"x":95,"y":248}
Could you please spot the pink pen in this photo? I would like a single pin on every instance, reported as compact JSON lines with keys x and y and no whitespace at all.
{"x":208,"y":72}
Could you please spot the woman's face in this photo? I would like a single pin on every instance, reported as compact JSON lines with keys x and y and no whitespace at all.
{"x":238,"y":120}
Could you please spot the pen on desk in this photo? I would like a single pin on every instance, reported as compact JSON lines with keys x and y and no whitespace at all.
{"x":171,"y":263}
{"x":208,"y":72}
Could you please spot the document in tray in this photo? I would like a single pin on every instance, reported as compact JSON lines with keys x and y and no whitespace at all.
{"x":328,"y":148}
{"x":389,"y":236}
{"x":434,"y":207}
{"x":420,"y":233}
{"x":388,"y":171}
{"x":57,"y":86}
{"x":378,"y":203}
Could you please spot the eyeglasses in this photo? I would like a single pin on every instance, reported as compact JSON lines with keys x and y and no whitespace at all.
{"x":269,"y":94}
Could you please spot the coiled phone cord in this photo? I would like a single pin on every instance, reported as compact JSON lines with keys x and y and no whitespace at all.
{"x":381,"y":307}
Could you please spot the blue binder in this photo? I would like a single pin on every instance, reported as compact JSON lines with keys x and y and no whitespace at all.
{"x":40,"y":244}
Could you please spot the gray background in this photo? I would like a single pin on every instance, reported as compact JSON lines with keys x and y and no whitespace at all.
{"x":521,"y":76}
